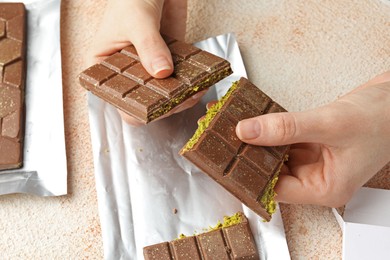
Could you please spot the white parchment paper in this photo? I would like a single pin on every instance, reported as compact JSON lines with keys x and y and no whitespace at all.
{"x":141,"y":178}
{"x":44,"y":170}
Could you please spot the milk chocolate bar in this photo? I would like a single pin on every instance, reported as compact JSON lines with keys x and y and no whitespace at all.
{"x":12,"y":80}
{"x":248,"y":172}
{"x":232,"y":239}
{"x":122,"y":81}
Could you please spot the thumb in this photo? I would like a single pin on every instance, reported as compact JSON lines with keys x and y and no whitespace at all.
{"x":285,"y":128}
{"x":141,"y":29}
{"x":153,"y":52}
{"x":151,"y":47}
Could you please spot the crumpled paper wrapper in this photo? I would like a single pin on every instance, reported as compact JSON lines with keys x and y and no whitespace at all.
{"x":142,"y":180}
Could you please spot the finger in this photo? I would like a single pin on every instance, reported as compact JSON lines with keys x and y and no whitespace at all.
{"x":200,"y":119}
{"x":290,"y":189}
{"x":286,"y":128}
{"x":284,"y":170}
{"x":305,"y":179}
{"x":294,"y":190}
{"x":143,"y":31}
{"x":210,"y":104}
{"x":303,"y":155}
{"x":151,"y":47}
{"x":154,"y":54}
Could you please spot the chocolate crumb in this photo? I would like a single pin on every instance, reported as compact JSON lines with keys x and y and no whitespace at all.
{"x":228,"y":250}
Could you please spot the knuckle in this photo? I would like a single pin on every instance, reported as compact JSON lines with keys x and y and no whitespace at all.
{"x":149,"y":43}
{"x":285,"y":127}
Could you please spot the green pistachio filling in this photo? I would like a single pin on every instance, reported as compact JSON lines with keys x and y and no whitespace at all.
{"x":267,"y":200}
{"x":268,"y":197}
{"x":227,"y":222}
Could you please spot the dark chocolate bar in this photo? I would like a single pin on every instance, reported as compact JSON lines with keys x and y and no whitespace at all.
{"x":248,"y":172}
{"x":122,"y":81}
{"x":226,"y":241}
{"x":12,"y":81}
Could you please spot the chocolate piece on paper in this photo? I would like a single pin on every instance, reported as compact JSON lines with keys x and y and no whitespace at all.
{"x":248,"y":172}
{"x":226,"y":241}
{"x":122,"y":81}
{"x":12,"y":83}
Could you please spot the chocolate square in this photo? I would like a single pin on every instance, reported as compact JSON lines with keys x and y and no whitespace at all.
{"x":182,"y":50}
{"x":138,"y":73}
{"x":118,"y":62}
{"x":144,"y":99}
{"x":185,"y":248}
{"x":131,"y":52}
{"x":212,"y":245}
{"x":246,"y":179}
{"x":168,"y":87}
{"x":96,"y":76}
{"x":207,"y":61}
{"x":188,"y":73}
{"x":119,"y":86}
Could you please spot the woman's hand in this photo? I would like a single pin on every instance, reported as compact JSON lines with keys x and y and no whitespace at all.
{"x":335,"y":149}
{"x":138,"y":22}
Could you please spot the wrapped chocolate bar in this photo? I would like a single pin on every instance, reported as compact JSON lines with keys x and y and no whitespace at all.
{"x":122,"y":81}
{"x":248,"y":172}
{"x":32,"y":121}
{"x":231,"y":239}
{"x":12,"y":81}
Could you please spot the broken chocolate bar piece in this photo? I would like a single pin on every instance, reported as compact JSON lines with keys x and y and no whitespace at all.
{"x":12,"y":81}
{"x":232,"y":239}
{"x":248,"y":172}
{"x":122,"y":81}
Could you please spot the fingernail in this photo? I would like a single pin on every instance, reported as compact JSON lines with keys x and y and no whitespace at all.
{"x":160,"y":64}
{"x":248,"y":129}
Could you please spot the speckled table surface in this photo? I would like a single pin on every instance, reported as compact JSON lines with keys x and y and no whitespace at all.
{"x":302,"y":53}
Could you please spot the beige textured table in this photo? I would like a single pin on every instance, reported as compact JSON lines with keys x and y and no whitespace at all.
{"x":302,"y":53}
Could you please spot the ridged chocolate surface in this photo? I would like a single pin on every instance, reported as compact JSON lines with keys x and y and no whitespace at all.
{"x":12,"y":80}
{"x":244,"y":170}
{"x":234,"y":242}
{"x":122,"y":81}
